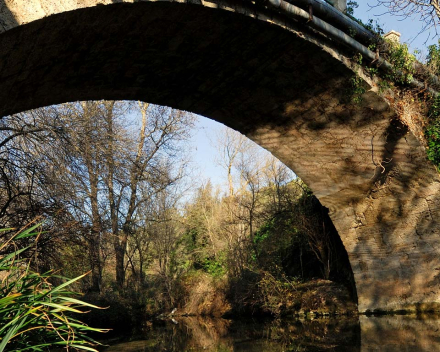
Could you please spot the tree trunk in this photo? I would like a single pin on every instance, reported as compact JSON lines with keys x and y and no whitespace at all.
{"x":120,"y":271}
{"x":93,"y":178}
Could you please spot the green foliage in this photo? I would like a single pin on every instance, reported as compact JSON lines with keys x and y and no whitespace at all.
{"x":34,"y":313}
{"x":264,"y":231}
{"x":383,"y":85}
{"x":358,"y":89}
{"x":371,"y":25}
{"x":434,"y":111}
{"x":397,"y":54}
{"x":432,"y":133}
{"x":214,"y":267}
{"x":402,"y":61}
{"x":433,"y":138}
{"x":433,"y":59}
{"x":374,"y":27}
{"x":403,"y":69}
{"x":262,"y":241}
{"x":357,"y":83}
{"x":277,"y":243}
{"x":351,"y":5}
{"x":123,"y":310}
{"x":189,"y":239}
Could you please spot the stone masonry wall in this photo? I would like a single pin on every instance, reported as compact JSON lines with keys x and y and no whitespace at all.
{"x":276,"y":81}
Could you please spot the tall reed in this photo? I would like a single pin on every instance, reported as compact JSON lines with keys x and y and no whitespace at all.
{"x":35,"y":315}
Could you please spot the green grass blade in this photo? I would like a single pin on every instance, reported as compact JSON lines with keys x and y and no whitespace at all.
{"x":27,"y":233}
{"x":77,"y":301}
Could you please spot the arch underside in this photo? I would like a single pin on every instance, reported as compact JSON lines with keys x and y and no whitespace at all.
{"x":279,"y":88}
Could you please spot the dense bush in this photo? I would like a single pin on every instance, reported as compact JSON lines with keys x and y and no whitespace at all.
{"x":432,"y":133}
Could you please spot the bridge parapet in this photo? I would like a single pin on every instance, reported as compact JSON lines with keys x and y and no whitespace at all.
{"x":341,"y":5}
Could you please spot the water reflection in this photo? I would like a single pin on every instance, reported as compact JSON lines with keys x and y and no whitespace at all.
{"x":218,"y":335}
{"x":366,"y":334}
{"x":400,"y":334}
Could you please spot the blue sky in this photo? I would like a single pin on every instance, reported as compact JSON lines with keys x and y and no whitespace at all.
{"x":204,"y":152}
{"x":409,"y":28}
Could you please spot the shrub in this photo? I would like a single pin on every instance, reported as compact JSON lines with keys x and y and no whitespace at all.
{"x":402,"y":61}
{"x":433,"y":59}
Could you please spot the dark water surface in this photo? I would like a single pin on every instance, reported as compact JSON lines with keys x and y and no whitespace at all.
{"x":363,"y":334}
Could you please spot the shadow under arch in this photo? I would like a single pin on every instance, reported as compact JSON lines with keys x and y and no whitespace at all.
{"x":283,"y":89}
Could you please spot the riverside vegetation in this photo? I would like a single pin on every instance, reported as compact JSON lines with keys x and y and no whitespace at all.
{"x":417,"y":107}
{"x":34,"y":312}
{"x":110,"y":191}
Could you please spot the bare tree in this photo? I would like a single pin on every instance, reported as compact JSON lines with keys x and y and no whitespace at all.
{"x":204,"y":226}
{"x":277,"y":177}
{"x":75,"y":164}
{"x":22,"y":180}
{"x":247,"y":170}
{"x":427,"y":10}
{"x":107,"y":166}
{"x":151,"y":170}
{"x":231,"y":144}
{"x":166,"y":231}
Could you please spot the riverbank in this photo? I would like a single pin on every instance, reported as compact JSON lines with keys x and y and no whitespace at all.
{"x":267,"y":296}
{"x":205,"y":296}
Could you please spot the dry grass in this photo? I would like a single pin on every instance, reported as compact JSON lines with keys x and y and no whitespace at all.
{"x":205,"y":296}
{"x":411,"y":107}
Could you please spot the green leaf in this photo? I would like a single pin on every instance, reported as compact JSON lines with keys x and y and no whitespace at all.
{"x":28,"y":232}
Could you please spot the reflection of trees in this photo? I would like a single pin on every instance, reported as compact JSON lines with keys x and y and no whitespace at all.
{"x":214,"y":335}
{"x":385,"y":333}
{"x":207,"y":333}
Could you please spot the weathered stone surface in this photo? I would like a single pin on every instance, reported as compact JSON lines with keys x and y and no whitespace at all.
{"x":285,"y":89}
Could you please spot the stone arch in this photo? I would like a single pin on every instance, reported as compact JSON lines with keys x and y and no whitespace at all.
{"x":277,"y":82}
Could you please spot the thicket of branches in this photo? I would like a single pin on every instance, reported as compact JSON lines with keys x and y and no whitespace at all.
{"x":90,"y":173}
{"x":427,"y":11}
{"x":108,"y":178}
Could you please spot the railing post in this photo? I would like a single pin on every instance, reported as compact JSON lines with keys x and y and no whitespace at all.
{"x":341,"y":5}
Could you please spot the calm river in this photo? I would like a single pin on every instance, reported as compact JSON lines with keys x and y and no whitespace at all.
{"x":386,"y":333}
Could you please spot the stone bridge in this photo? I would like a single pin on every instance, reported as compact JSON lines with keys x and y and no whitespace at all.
{"x":270,"y":70}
